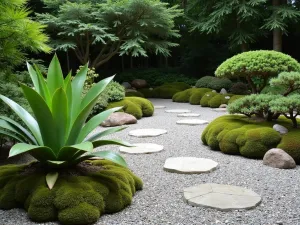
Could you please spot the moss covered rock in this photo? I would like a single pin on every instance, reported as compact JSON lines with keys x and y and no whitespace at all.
{"x":234,"y":134}
{"x":218,"y":100}
{"x":75,"y":199}
{"x":192,"y":95}
{"x":136,"y":106}
{"x":204,"y":102}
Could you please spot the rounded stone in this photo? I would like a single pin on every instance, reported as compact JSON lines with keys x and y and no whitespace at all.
{"x":178,"y":111}
{"x":147,"y":132}
{"x":142,"y":148}
{"x":188,"y":115}
{"x":159,"y":107}
{"x":192,"y":122}
{"x":221,"y":197}
{"x":189,"y":165}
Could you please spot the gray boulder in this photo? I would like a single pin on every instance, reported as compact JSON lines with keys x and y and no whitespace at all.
{"x":118,"y":119}
{"x":223,"y":91}
{"x":223,"y":106}
{"x":139,"y":83}
{"x":278,"y":158}
{"x":126,"y":85}
{"x":280,"y":129}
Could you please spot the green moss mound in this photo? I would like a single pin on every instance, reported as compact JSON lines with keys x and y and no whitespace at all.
{"x":136,"y":106}
{"x":235,"y":97}
{"x":134,"y":94}
{"x":191,"y":95}
{"x":235,"y":134}
{"x":148,"y":93}
{"x":204,"y":102}
{"x":218,"y":100}
{"x":75,"y":199}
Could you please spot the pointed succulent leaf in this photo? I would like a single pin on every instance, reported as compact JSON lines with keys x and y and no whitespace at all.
{"x":55,"y":77}
{"x":51,"y":179}
{"x":25,"y":117}
{"x":11,"y":135}
{"x":43,"y":116}
{"x":44,"y":90}
{"x":41,"y":152}
{"x":99,"y":143}
{"x":104,"y":133}
{"x":21,"y":129}
{"x":109,"y":155}
{"x":8,"y":126}
{"x":94,"y":122}
{"x":33,"y":77}
{"x":68,"y":152}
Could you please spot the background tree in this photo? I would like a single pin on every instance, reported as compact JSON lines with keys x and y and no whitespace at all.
{"x":98,"y":31}
{"x":18,"y":33}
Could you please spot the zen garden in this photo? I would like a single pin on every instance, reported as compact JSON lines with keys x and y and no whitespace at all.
{"x":149,"y":112}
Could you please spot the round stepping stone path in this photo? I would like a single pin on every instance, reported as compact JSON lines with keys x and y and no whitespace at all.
{"x":189,"y":165}
{"x":142,"y":148}
{"x":178,"y":111}
{"x":188,"y":115}
{"x":192,"y":122}
{"x":159,"y":107}
{"x":219,"y":110}
{"x":147,"y":132}
{"x":221,"y":197}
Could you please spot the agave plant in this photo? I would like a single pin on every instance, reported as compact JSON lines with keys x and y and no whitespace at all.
{"x":57,"y":134}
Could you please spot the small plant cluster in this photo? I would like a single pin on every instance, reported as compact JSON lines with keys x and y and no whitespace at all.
{"x":270,"y":106}
{"x":214,"y":83}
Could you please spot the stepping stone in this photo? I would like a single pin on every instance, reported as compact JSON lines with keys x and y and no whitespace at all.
{"x":178,"y":111}
{"x":188,"y":115}
{"x":220,"y":109}
{"x":192,"y":122}
{"x":159,"y":107}
{"x":189,"y":165}
{"x":142,"y":148}
{"x":221,"y":197}
{"x":147,"y":132}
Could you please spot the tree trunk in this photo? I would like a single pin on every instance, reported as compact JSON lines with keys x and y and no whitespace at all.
{"x":277,"y":33}
{"x":244,"y":47}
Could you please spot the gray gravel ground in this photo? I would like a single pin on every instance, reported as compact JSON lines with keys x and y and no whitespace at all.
{"x":161,"y":200}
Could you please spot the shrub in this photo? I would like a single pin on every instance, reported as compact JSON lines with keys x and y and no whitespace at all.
{"x":239,"y":88}
{"x":233,"y":134}
{"x":138,"y":107}
{"x":114,"y":91}
{"x":148,"y":93}
{"x":204,"y":102}
{"x":178,"y":85}
{"x":263,"y":64}
{"x":134,"y":94}
{"x":274,"y":90}
{"x":218,"y":84}
{"x":205,"y":82}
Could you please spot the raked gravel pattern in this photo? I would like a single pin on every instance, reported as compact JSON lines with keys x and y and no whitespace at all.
{"x":161,"y":201}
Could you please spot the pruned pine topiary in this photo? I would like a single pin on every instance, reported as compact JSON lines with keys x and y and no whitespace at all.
{"x":235,"y":134}
{"x":290,"y":81}
{"x":81,"y":195}
{"x":261,"y":64}
{"x":138,"y":107}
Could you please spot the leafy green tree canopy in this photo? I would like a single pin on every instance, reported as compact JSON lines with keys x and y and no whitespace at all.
{"x":288,"y":80}
{"x":98,"y":30}
{"x":18,"y":33}
{"x":262,"y":64}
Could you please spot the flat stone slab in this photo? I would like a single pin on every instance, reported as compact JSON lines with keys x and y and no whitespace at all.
{"x":220,"y":109}
{"x":188,"y":115}
{"x":192,"y":122}
{"x":189,"y":165}
{"x":147,"y":132}
{"x":178,"y":111}
{"x":221,"y":197}
{"x":159,"y":107}
{"x":142,"y":148}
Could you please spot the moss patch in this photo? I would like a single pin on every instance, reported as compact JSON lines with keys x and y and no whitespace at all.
{"x":136,"y":106}
{"x":75,"y":199}
{"x":192,"y":95}
{"x":234,"y":134}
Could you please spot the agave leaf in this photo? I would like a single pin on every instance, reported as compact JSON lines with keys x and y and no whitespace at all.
{"x":7,"y":126}
{"x":94,"y":122}
{"x":55,"y":78}
{"x":104,"y":133}
{"x":41,"y":153}
{"x":95,"y":91}
{"x":43,"y":116}
{"x":67,"y":79}
{"x":44,"y":90}
{"x":77,"y":87}
{"x":33,"y":77}
{"x":60,"y":114}
{"x":51,"y":179}
{"x":68,"y":152}
{"x":109,"y":155}
{"x":99,"y":143}
{"x":26,"y":117}
{"x":68,"y":90}
{"x":11,"y":135}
